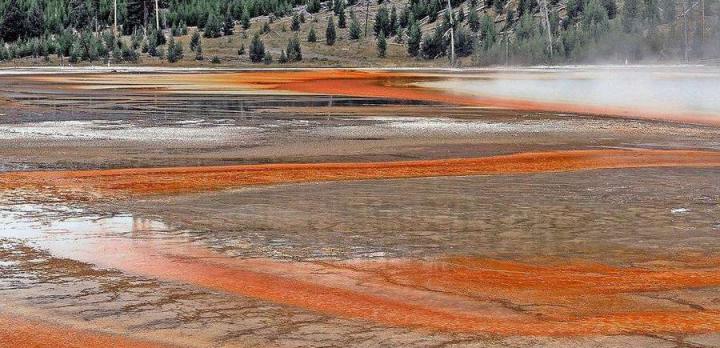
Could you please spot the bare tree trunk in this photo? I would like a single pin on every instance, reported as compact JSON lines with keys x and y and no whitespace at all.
{"x":367,"y":13}
{"x":452,"y":35}
{"x":546,"y":21}
{"x":157,"y":15}
{"x":115,"y":17}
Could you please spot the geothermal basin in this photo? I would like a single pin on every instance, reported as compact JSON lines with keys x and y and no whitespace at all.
{"x":569,"y":206}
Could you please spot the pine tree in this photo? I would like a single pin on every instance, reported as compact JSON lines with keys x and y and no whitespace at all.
{"x":245,"y":20}
{"x":414,"y":39}
{"x":152,"y":44}
{"x":294,"y":52}
{"x":313,"y":6}
{"x":404,"y":19}
{"x":175,"y":50}
{"x":212,"y":27}
{"x":13,"y":22}
{"x":241,"y":50}
{"x":257,"y":49}
{"x":330,"y":32}
{"x":312,"y":37}
{"x":631,"y":15}
{"x":229,"y":25}
{"x":195,"y":41}
{"x":198,"y":53}
{"x":474,"y":20}
{"x":341,"y":20}
{"x":382,"y":21}
{"x":355,"y":30}
{"x":138,"y":12}
{"x":339,"y":7}
{"x":381,"y":45}
{"x":295,"y":26}
{"x":79,"y":14}
{"x":393,"y":22}
{"x":35,"y":21}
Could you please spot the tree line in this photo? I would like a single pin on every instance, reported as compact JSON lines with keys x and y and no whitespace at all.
{"x":489,"y":31}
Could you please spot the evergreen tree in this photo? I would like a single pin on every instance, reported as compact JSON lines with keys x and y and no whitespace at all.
{"x":229,"y":25}
{"x":339,"y":7}
{"x":382,"y":21}
{"x":13,"y":22}
{"x":330,"y":32}
{"x":341,"y":20}
{"x":76,"y":52}
{"x":392,"y":26}
{"x":174,"y":50}
{"x":295,"y":26}
{"x":312,"y":37}
{"x":198,"y":52}
{"x":129,"y":55}
{"x":381,"y":45}
{"x":152,"y":44}
{"x":611,"y":8}
{"x":138,"y":13}
{"x":294,"y":52}
{"x":267,"y":58}
{"x":283,"y":57}
{"x":245,"y":20}
{"x":595,"y":19}
{"x":313,"y":6}
{"x":435,"y":45}
{"x":631,"y":15}
{"x":404,"y":19}
{"x":35,"y":21}
{"x":414,"y":39}
{"x":241,"y":50}
{"x":355,"y":30}
{"x":400,"y":36}
{"x":4,"y":54}
{"x":257,"y":49}
{"x":488,"y":32}
{"x":212,"y":27}
{"x":195,"y":41}
{"x":79,"y":14}
{"x":463,"y":43}
{"x":473,"y":20}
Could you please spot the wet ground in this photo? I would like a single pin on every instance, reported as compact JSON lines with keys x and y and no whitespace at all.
{"x":529,"y":249}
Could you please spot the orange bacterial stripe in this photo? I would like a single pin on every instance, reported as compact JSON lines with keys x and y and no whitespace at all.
{"x":191,"y":179}
{"x":371,"y":84}
{"x":453,"y":295}
{"x":392,"y":87}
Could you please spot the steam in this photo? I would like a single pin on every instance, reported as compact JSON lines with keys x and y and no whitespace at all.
{"x":667,"y":89}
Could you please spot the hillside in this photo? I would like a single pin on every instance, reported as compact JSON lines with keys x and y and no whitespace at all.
{"x":490,"y":32}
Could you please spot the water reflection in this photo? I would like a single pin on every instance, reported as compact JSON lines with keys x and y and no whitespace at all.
{"x":72,"y":232}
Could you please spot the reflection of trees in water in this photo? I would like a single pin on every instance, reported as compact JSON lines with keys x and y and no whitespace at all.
{"x":141,"y":224}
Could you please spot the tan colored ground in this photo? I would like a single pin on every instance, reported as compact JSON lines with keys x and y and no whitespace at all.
{"x":17,"y":332}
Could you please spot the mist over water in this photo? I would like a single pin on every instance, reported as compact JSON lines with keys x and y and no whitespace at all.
{"x":680,"y":89}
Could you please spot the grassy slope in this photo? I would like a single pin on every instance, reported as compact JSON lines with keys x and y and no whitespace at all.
{"x":345,"y":52}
